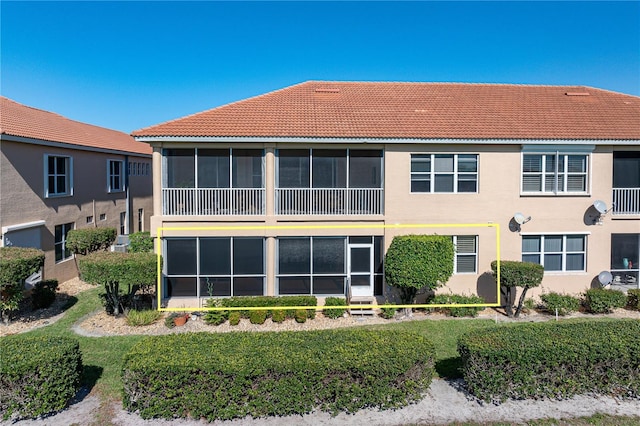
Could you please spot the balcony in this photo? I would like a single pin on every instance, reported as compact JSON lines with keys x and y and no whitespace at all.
{"x":213,"y":201}
{"x":626,"y":201}
{"x":325,"y":202}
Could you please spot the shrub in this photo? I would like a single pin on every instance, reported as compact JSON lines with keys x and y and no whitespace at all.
{"x":140,"y":242}
{"x":633,"y":299}
{"x":89,"y":240}
{"x":564,"y":303}
{"x":513,"y":274}
{"x":462,"y":311}
{"x":300,"y":316}
{"x":334,"y":301}
{"x":16,"y":265}
{"x":388,"y":312}
{"x":221,"y":376}
{"x":132,"y":271}
{"x":234,"y":317}
{"x":552,"y":360}
{"x":603,"y":301}
{"x":278,"y":315}
{"x":38,"y":375}
{"x":269,"y":302}
{"x":216,"y":317}
{"x":258,"y":316}
{"x":414,"y":262}
{"x":142,"y":318}
{"x":43,"y":294}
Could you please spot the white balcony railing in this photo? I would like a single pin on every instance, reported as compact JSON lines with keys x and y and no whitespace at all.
{"x":213,"y":201}
{"x":334,"y":201}
{"x":626,"y":201}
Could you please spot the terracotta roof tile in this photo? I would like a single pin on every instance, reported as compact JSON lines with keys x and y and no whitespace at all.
{"x":418,"y":110}
{"x":27,"y":122}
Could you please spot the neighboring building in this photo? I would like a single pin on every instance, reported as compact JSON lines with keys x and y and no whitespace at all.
{"x":58,"y":174}
{"x":358,"y":156}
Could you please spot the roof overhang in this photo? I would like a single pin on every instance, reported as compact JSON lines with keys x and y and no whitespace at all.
{"x":367,"y":140}
{"x":54,"y":144}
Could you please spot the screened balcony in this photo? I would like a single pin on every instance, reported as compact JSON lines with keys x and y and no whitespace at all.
{"x":329,"y":182}
{"x":205,"y":182}
{"x":626,"y":183}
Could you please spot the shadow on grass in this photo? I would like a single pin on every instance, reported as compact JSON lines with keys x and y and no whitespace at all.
{"x":449,"y":368}
{"x":90,"y":376}
{"x":72,"y":300}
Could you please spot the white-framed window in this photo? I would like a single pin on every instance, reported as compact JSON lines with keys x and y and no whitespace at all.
{"x":103,"y":216}
{"x":555,"y":173}
{"x":115,"y":175}
{"x":89,"y":219}
{"x":446,"y":173}
{"x":557,"y":253}
{"x":58,"y":175}
{"x":466,"y":258}
{"x":61,"y":251}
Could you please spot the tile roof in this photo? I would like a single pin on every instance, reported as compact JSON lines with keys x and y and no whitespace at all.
{"x":27,"y":122}
{"x":418,"y":110}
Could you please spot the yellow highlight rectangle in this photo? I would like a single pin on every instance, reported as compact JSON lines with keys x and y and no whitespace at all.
{"x":312,"y":227}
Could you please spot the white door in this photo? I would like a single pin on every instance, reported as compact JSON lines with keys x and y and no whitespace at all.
{"x":360,"y":268}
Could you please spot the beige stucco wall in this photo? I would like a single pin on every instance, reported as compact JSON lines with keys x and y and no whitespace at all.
{"x":22,"y":196}
{"x":496,"y":201}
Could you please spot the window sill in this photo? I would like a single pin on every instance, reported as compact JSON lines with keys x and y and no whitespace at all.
{"x":58,"y":195}
{"x":551,"y":194}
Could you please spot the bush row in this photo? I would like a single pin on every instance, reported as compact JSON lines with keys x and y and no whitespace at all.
{"x":219,"y":317}
{"x":38,"y":375}
{"x":462,"y":311}
{"x":554,"y":360}
{"x":232,"y":375}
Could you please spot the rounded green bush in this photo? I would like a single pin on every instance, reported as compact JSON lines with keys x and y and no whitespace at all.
{"x":334,"y":301}
{"x":234,"y":317}
{"x":563,"y":303}
{"x":604,"y":301}
{"x":301,"y":316}
{"x":278,"y":316}
{"x":258,"y":316}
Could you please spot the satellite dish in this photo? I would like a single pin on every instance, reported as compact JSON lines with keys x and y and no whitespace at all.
{"x":600,"y":206}
{"x":605,"y":278}
{"x":521,"y":219}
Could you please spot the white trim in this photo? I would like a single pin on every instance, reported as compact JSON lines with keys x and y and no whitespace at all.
{"x":121,"y":178}
{"x":365,"y":140}
{"x":68,"y":174}
{"x":556,"y":233}
{"x":25,"y":225}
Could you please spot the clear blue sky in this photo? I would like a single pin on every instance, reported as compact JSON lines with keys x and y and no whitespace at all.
{"x":128,"y":65}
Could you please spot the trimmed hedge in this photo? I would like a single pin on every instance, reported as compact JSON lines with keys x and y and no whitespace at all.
{"x":140,"y":242}
{"x":552,"y":360}
{"x":633,"y":299}
{"x":334,"y":301}
{"x":604,"y":301}
{"x":462,"y":311}
{"x":259,"y":302}
{"x":232,"y":375}
{"x":564,"y":303}
{"x":44,"y":294}
{"x":89,"y":240}
{"x":38,"y":375}
{"x":16,"y":264}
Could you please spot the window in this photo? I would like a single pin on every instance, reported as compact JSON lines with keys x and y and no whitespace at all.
{"x":556,"y":252}
{"x":140,"y":220}
{"x":447,"y":173}
{"x":212,"y":168}
{"x":466,"y":254}
{"x":115,"y":176}
{"x":61,"y":251}
{"x":59,"y":175}
{"x":215,"y":267}
{"x":123,"y":223}
{"x":89,"y":219}
{"x":103,"y":216}
{"x":554,"y":173}
{"x":625,"y":258}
